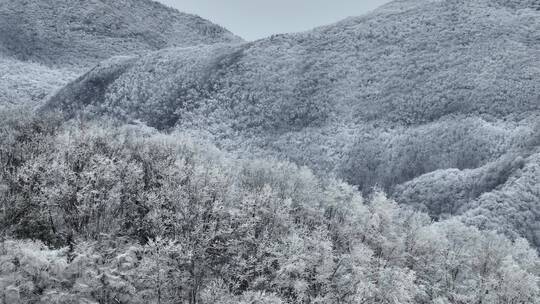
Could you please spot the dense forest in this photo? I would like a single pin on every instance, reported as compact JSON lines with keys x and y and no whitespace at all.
{"x":398,"y":99}
{"x":150,"y":156}
{"x":98,"y":213}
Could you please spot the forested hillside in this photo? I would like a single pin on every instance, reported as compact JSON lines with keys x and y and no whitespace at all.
{"x":391,"y":158}
{"x":82,"y":33}
{"x":44,"y":44}
{"x":409,"y":63}
{"x":29,"y":83}
{"x":414,"y":88}
{"x":125,"y":214}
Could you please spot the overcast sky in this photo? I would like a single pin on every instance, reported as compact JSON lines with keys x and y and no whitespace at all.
{"x":254,"y":19}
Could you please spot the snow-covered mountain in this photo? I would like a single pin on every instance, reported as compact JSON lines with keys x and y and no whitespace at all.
{"x":82,"y":33}
{"x":46,"y":43}
{"x":380,"y":100}
{"x":407,"y":63}
{"x":376,"y":160}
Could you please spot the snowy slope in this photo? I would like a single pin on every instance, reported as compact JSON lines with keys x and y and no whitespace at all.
{"x":408,"y":64}
{"x":379,"y":100}
{"x":45,"y":44}
{"x":79,"y":33}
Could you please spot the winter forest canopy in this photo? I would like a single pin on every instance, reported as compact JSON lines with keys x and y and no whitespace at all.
{"x":150,"y":156}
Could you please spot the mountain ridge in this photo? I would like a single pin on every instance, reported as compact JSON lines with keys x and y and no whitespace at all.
{"x":316,"y":59}
{"x":46,"y":44}
{"x":85,"y":32}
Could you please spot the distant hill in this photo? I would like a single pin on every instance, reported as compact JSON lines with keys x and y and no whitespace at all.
{"x":61,"y":33}
{"x":46,"y":43}
{"x":408,"y":63}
